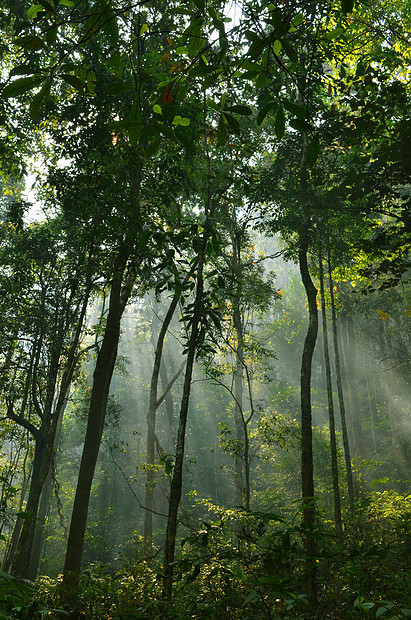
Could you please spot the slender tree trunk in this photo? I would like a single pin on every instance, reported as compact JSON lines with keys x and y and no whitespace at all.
{"x":346,"y":442}
{"x":177,"y":479}
{"x":351,"y":371}
{"x":151,"y":424}
{"x":168,"y":406}
{"x":307,"y":473}
{"x":371,"y":405}
{"x":240,"y":464}
{"x":331,"y":416}
{"x":397,"y":445}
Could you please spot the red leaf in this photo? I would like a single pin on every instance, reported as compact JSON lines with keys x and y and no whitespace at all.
{"x":167,"y":94}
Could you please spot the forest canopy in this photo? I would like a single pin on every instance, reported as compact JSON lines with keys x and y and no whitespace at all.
{"x":205,"y":309}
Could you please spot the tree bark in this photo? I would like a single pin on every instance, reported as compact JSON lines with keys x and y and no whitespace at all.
{"x":151,"y":424}
{"x":331,"y":416}
{"x":307,"y":473}
{"x":398,"y":451}
{"x":358,"y":443}
{"x":177,"y":478}
{"x":95,"y":424}
{"x":346,"y":443}
{"x":240,"y":464}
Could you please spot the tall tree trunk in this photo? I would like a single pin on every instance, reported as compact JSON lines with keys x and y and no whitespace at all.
{"x":95,"y":424}
{"x":124,"y":275}
{"x":331,"y":416}
{"x":346,"y":443}
{"x":307,"y":473}
{"x":177,"y":478}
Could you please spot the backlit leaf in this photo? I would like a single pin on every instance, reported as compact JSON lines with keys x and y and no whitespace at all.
{"x":74,"y":81}
{"x":21,"y":86}
{"x":33,"y":10}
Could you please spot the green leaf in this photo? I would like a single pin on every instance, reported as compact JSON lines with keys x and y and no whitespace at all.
{"x":233,"y":123}
{"x":74,"y":81}
{"x":280,"y":122}
{"x":39,"y":99}
{"x":294,"y":108}
{"x":29,"y":42}
{"x":24,"y":69}
{"x":144,"y":29}
{"x":300,"y":124}
{"x":253,"y":596}
{"x":264,"y":111}
{"x":110,"y":26}
{"x":179,"y":120}
{"x":257,"y":47}
{"x":194,"y":35}
{"x":298,"y":19}
{"x":202,"y":70}
{"x":150,"y":132}
{"x":48,"y":6}
{"x":21,"y":86}
{"x":277,"y":47}
{"x":33,"y":10}
{"x":153,"y":147}
{"x":23,"y":515}
{"x":289,"y":50}
{"x":335,"y":33}
{"x":239,"y":109}
{"x":212,"y":104}
{"x":157,"y":109}
{"x":67,"y":2}
{"x":313,"y":151}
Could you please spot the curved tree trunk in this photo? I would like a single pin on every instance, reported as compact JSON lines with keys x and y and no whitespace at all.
{"x":240,"y":464}
{"x":307,"y":473}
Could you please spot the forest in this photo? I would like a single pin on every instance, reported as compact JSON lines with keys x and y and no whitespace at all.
{"x":205,"y":309}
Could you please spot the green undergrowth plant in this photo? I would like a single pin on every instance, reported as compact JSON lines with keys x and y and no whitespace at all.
{"x":239,"y":564}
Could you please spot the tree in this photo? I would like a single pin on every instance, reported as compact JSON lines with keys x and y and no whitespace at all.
{"x":55,"y":289}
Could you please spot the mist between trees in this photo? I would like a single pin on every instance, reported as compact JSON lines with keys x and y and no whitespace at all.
{"x":204,"y":310}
